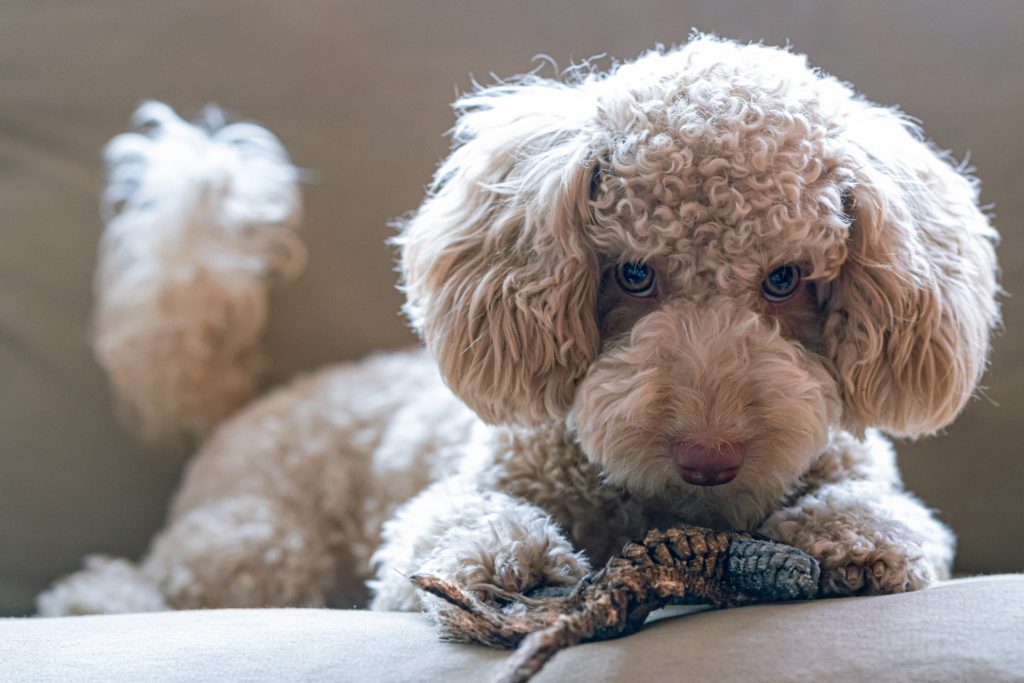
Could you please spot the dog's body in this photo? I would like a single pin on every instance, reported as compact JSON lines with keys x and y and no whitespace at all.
{"x":285,"y":504}
{"x":688,"y":291}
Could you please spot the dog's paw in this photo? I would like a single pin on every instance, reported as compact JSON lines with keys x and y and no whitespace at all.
{"x":868,"y":541}
{"x":509,"y":557}
{"x":865,"y":566}
{"x":104,"y":586}
{"x":522,"y":569}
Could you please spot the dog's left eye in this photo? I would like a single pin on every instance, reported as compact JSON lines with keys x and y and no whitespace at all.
{"x":781,"y":284}
{"x":635,"y":278}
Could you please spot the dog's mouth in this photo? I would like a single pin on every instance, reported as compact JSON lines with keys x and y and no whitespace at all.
{"x":699,"y":478}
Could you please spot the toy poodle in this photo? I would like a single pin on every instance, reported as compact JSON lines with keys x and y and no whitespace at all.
{"x":696,"y":288}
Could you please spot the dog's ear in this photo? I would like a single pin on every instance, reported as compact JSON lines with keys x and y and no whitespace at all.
{"x":907,"y":325}
{"x":499,"y":278}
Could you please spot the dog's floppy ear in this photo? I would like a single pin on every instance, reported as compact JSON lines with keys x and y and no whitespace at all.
{"x":908,"y":322}
{"x":499,"y":279}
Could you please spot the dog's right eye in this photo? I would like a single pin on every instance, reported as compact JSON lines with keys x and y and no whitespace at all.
{"x":635,"y":278}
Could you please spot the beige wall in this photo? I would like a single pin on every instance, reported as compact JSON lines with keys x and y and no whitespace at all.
{"x":359,"y":91}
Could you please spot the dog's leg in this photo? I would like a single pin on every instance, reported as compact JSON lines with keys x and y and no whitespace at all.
{"x":486,"y":541}
{"x":870,"y":537}
{"x":245,"y":551}
{"x":105,"y":585}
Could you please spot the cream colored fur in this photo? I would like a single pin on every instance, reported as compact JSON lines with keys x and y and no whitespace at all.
{"x":197,"y":225}
{"x":714,"y":163}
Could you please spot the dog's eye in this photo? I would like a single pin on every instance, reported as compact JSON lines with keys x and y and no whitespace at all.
{"x":781,"y":284}
{"x":635,"y":278}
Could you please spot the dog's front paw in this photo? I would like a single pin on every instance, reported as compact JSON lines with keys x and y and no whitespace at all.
{"x":861,"y":565}
{"x":869,"y":541}
{"x":509,"y":556}
{"x":524,"y":568}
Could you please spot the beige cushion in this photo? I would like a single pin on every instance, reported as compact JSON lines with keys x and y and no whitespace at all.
{"x":966,"y":630}
{"x":359,"y":92}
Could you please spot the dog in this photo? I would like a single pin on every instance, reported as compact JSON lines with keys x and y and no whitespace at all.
{"x":696,"y":288}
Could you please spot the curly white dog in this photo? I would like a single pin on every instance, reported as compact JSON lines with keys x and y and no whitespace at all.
{"x":688,"y":290}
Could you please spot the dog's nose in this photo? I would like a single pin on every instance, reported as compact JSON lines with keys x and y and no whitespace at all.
{"x":706,"y":466}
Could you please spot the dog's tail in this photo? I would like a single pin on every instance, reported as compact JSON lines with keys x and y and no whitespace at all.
{"x":200,"y":220}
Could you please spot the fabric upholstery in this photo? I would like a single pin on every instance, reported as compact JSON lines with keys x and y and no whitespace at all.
{"x":966,"y":630}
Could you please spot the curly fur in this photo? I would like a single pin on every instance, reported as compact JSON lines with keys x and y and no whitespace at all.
{"x":540,"y":431}
{"x":198,"y":221}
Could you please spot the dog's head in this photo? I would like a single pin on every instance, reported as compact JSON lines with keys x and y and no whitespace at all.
{"x":706,"y":260}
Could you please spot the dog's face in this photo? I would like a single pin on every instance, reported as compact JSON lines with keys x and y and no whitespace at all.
{"x":705,"y":260}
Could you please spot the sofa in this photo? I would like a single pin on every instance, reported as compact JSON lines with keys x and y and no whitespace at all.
{"x":360,"y":92}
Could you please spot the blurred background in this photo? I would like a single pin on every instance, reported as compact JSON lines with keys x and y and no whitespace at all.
{"x":359,"y":91}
